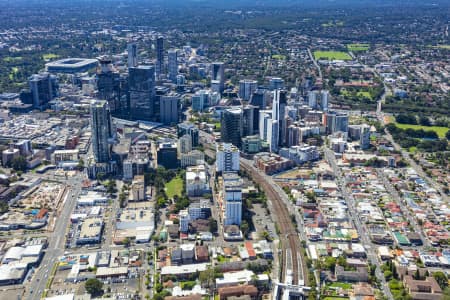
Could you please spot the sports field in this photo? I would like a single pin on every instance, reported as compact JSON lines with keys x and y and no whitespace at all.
{"x":332,"y":55}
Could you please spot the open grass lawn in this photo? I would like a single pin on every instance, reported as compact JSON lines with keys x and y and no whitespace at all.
{"x":174,"y":187}
{"x":332,"y":55}
{"x":335,"y":298}
{"x":344,"y":285}
{"x":49,"y":56}
{"x":441,"y":131}
{"x":358,"y":47}
{"x":362,"y":94}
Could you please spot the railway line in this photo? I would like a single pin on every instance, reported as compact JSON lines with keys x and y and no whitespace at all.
{"x":290,"y":241}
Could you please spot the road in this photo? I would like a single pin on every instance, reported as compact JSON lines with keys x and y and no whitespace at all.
{"x":353,"y":214}
{"x":56,"y":241}
{"x":315,"y":63}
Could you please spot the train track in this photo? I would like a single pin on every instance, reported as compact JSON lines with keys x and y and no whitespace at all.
{"x":288,"y":234}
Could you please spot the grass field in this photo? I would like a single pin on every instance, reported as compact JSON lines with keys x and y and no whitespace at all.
{"x":335,"y":298}
{"x":362,"y":94}
{"x":441,"y":131}
{"x":49,"y":56}
{"x":344,"y":285}
{"x":174,"y":187}
{"x":358,"y":47}
{"x":332,"y":55}
{"x":279,"y":57}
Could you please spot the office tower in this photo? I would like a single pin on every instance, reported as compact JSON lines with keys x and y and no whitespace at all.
{"x":43,"y":88}
{"x":231,"y":126}
{"x":276,"y":83}
{"x":142,"y":93}
{"x":132,"y":55}
{"x":336,"y":122}
{"x":247,"y":88}
{"x":110,"y":87}
{"x":167,"y":155}
{"x":191,"y":130}
{"x":184,"y":144}
{"x":248,"y":115}
{"x":273,"y":134}
{"x":364,"y":138}
{"x":232,"y":196}
{"x":227,"y":158}
{"x":264,"y":117}
{"x":218,"y":74}
{"x":159,"y":56}
{"x":173,"y":64}
{"x":169,"y":107}
{"x":102,"y":131}
{"x":259,"y":98}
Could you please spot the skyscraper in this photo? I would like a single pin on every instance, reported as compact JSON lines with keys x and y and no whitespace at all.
{"x":43,"y":88}
{"x":278,"y":114}
{"x":247,"y":88}
{"x":159,"y":56}
{"x":231,"y":126}
{"x":173,"y":64}
{"x":218,"y":73}
{"x":132,"y":55}
{"x":248,"y":115}
{"x":169,"y":109}
{"x":102,"y":131}
{"x":142,"y":93}
{"x":110,"y":87}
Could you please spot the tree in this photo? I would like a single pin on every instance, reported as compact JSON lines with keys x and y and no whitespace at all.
{"x":94,"y":287}
{"x":212,"y":225}
{"x":441,"y":279}
{"x":19,"y":163}
{"x":447,"y":135}
{"x":245,"y":227}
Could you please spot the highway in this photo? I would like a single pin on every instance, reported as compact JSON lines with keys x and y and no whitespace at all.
{"x":353,"y":214}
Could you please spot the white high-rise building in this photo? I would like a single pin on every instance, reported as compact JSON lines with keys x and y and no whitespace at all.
{"x":273,"y":134}
{"x":232,"y":197}
{"x":264,"y":117}
{"x":184,"y":220}
{"x":196,"y":181}
{"x":132,"y":55}
{"x":227,"y":158}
